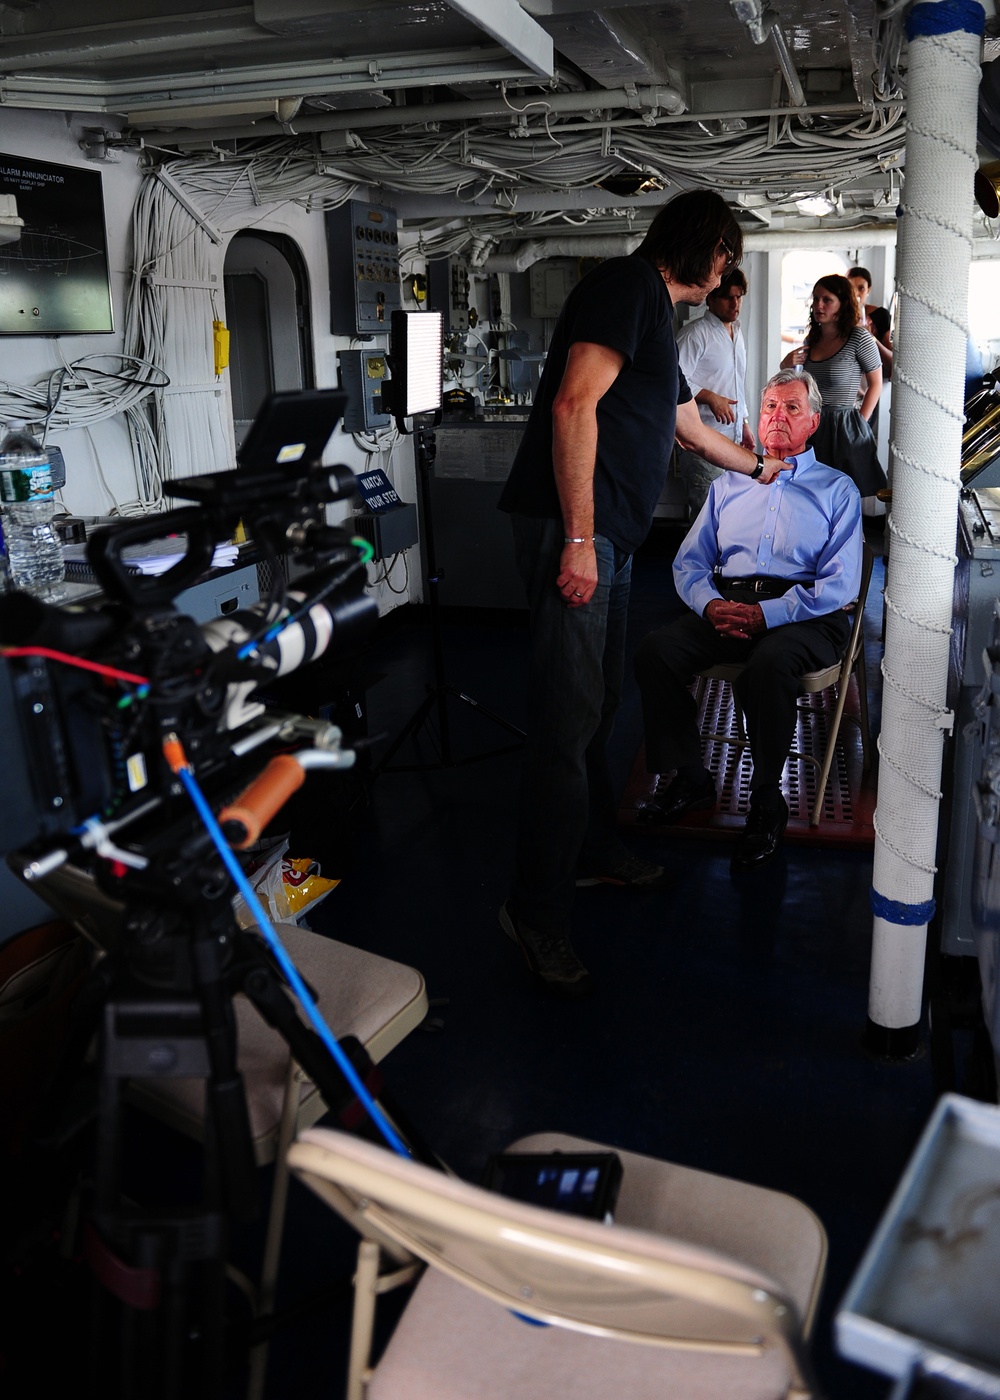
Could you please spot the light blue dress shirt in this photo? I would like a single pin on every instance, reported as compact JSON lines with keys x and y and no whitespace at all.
{"x":806,"y":525}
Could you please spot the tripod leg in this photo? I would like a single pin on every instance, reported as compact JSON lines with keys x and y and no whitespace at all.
{"x":426,"y":449}
{"x":415,"y":722}
{"x":487,"y":713}
{"x":227,"y":1118}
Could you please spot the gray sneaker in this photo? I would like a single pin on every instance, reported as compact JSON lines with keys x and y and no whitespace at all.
{"x":550,"y":957}
{"x":629,"y":870}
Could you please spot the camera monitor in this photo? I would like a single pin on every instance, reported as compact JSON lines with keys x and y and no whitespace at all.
{"x":292,"y":429}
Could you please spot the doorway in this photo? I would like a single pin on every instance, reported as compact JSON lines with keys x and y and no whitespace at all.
{"x":267,"y":309}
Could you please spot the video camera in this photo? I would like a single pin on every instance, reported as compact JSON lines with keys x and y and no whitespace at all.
{"x":100,"y":687}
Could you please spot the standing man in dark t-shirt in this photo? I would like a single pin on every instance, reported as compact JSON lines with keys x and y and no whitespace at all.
{"x":581,"y":494}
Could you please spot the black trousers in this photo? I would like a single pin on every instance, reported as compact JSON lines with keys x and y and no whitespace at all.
{"x":766,"y":690}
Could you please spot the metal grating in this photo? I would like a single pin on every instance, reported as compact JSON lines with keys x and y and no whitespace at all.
{"x":728,"y":760}
{"x":268,"y":571}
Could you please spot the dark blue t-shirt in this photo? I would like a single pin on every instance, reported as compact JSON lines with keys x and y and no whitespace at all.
{"x":623,"y":304}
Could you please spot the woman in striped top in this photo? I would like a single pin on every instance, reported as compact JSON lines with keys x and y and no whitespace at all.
{"x":839,"y":353}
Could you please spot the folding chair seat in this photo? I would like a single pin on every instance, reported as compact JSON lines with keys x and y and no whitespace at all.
{"x":812,"y":683}
{"x":704,"y":1288}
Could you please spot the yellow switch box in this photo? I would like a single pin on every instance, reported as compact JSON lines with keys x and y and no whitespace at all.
{"x":220,"y":345}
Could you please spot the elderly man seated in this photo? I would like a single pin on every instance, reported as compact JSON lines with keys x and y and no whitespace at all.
{"x":767,"y":574}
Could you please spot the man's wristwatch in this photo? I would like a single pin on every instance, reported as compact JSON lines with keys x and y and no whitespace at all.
{"x":758,"y":469}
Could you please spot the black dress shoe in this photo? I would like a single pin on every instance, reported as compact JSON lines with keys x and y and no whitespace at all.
{"x":681,"y":796}
{"x":760,"y":839}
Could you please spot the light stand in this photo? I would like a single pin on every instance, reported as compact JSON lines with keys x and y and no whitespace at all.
{"x":415,"y":392}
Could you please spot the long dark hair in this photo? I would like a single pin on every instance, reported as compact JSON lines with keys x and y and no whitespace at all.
{"x":849,"y":314}
{"x":686,"y":233}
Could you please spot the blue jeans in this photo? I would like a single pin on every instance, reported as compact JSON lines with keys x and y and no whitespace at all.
{"x":568,"y":808}
{"x":697,"y":475}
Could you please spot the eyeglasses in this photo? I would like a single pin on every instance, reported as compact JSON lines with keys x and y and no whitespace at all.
{"x":730,"y":257}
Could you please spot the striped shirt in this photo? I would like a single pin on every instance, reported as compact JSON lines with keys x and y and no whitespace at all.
{"x":839,"y":376}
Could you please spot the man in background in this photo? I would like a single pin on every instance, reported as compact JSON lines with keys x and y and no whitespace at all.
{"x":713,"y":357}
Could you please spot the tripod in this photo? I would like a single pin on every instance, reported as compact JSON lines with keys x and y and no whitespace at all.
{"x":441,"y":691}
{"x":163,"y":998}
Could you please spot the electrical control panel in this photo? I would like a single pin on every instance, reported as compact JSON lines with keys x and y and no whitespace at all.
{"x":362,"y":243}
{"x":362,"y":374}
{"x":449,"y":287}
{"x":550,"y":283}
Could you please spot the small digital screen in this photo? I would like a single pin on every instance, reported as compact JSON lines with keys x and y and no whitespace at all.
{"x":581,"y":1183}
{"x":54,"y":274}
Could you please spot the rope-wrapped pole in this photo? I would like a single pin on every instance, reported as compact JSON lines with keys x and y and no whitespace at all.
{"x":935,"y":249}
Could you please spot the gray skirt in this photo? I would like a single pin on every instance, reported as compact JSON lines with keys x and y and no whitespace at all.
{"x":844,"y":440}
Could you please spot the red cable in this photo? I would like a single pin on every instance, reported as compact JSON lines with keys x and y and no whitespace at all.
{"x":110,"y":671}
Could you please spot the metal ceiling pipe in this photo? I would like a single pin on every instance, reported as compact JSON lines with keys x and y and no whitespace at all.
{"x":609,"y":246}
{"x":832,"y":238}
{"x":795,"y":89}
{"x":762,"y":24}
{"x":618,"y":245}
{"x":928,"y":394}
{"x":665,"y":99}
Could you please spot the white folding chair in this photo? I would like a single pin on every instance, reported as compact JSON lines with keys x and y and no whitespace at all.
{"x":704,"y":1288}
{"x":812,"y":683}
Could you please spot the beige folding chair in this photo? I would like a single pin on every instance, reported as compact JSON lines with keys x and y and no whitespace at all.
{"x":704,"y":1288}
{"x":811,"y":683}
{"x":361,"y":994}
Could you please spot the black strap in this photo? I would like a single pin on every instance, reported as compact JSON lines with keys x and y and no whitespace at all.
{"x":760,"y":586}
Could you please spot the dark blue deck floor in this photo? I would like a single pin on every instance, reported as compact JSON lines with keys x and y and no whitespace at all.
{"x":725,"y":1032}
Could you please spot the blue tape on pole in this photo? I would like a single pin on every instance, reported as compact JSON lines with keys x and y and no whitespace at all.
{"x":895,"y":913}
{"x":946,"y":17}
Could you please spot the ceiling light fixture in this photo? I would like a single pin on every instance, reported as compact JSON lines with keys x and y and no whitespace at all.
{"x":815,"y":204}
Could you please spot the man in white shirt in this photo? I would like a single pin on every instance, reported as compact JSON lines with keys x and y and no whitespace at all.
{"x":713,"y":356}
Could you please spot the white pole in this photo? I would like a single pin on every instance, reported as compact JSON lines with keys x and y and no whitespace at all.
{"x":935,"y":249}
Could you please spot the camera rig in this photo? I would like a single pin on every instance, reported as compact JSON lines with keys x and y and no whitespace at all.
{"x":101,"y":686}
{"x":152,"y":755}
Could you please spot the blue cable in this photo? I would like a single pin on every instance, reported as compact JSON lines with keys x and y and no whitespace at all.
{"x":288,"y":967}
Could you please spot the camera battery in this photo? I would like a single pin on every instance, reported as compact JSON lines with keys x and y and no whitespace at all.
{"x":390,"y":531}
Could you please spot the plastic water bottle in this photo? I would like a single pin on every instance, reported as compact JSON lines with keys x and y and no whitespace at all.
{"x":28,"y":500}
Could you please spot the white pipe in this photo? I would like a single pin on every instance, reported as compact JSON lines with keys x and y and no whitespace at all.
{"x":618,"y":245}
{"x":610,"y":246}
{"x":935,"y":249}
{"x":860,"y":236}
{"x":644,"y":99}
{"x":792,"y":81}
{"x":762,"y":24}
